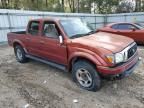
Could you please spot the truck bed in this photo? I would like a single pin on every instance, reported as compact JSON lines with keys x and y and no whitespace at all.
{"x":16,"y":36}
{"x":19,"y":32}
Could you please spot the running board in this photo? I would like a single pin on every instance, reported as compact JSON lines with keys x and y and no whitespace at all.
{"x":61,"y":67}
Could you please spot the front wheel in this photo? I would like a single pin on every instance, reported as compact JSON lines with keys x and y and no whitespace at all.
{"x":86,"y":76}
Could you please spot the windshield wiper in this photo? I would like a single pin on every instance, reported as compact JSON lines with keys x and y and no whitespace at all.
{"x":91,"y":32}
{"x":77,"y":35}
{"x":80,"y":35}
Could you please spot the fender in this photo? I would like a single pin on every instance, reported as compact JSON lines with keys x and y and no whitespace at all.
{"x":18,"y":41}
{"x":97,"y":60}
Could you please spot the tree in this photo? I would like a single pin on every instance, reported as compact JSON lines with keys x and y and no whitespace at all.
{"x":125,"y":7}
{"x":139,"y":6}
{"x":5,"y":3}
{"x":16,"y":4}
{"x":85,"y":6}
{"x":63,"y":5}
{"x":105,"y":6}
{"x":142,"y":7}
{"x":79,"y":6}
{"x":71,"y":5}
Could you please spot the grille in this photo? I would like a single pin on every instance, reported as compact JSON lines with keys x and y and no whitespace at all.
{"x":132,"y":51}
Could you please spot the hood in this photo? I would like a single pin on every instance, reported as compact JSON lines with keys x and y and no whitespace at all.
{"x":112,"y":42}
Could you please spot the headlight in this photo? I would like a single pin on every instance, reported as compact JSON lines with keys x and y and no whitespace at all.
{"x":115,"y":58}
{"x":119,"y":58}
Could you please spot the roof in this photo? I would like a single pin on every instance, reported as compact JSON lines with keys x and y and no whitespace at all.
{"x":54,"y":19}
{"x":111,"y":24}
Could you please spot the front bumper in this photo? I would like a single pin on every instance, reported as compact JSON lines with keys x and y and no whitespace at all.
{"x":123,"y":70}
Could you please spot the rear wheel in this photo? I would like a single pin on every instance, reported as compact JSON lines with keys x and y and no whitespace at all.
{"x":86,"y":76}
{"x":20,"y":54}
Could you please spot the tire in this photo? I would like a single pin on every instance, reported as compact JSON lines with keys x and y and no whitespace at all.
{"x":91,"y":85}
{"x":20,"y":54}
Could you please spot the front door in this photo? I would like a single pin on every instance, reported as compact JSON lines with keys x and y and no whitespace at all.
{"x":50,"y":45}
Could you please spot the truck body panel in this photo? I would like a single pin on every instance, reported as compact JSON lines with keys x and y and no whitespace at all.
{"x":92,"y":47}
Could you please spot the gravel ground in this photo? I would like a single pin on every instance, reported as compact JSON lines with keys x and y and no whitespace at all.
{"x":37,"y":85}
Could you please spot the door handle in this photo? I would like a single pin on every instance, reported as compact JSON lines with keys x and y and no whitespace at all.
{"x":61,"y":45}
{"x":42,"y":42}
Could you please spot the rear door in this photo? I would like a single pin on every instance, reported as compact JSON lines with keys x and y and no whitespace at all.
{"x":51,"y":48}
{"x":33,"y":38}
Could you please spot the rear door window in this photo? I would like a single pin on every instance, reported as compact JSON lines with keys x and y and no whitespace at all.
{"x":125,"y":27}
{"x":34,"y":28}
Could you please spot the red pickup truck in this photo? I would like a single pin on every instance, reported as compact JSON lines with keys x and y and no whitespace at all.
{"x":71,"y":45}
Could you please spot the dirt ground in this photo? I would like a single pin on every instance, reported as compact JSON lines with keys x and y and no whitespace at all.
{"x":37,"y":85}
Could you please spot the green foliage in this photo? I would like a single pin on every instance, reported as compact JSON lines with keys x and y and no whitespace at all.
{"x":106,"y":6}
{"x":79,"y":6}
{"x":125,"y":6}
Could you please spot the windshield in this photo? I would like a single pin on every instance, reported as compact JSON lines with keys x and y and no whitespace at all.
{"x":75,"y":28}
{"x":141,"y":26}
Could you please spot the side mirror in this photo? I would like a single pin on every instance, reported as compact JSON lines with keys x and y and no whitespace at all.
{"x":133,"y":28}
{"x":60,"y":39}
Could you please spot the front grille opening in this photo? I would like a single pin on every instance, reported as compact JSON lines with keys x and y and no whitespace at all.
{"x":132,"y":51}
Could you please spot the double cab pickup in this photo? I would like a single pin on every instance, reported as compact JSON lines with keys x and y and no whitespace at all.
{"x":70,"y":45}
